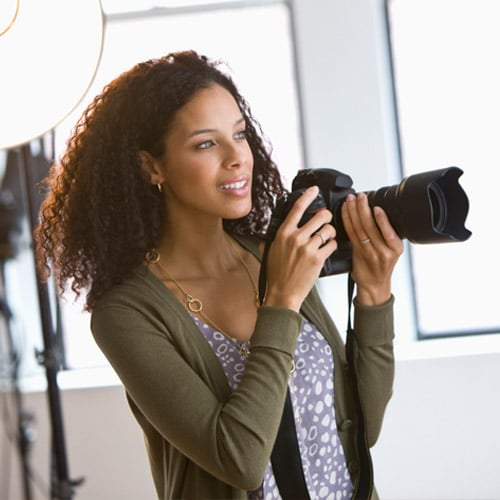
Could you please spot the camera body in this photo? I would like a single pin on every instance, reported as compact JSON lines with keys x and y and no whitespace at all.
{"x":430,"y":207}
{"x":334,"y":186}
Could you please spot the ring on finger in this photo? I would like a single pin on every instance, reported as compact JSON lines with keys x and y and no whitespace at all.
{"x":324,"y":240}
{"x":365,"y":241}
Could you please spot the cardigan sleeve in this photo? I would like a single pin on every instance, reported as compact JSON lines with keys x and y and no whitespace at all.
{"x":374,"y":334}
{"x":232,"y":439}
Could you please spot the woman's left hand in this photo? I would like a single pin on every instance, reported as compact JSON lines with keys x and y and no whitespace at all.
{"x":376,"y":249}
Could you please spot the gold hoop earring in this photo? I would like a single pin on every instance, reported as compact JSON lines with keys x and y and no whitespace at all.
{"x":152,"y":256}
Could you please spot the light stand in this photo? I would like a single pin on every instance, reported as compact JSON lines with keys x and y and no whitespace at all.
{"x":19,"y":198}
{"x":62,"y":487}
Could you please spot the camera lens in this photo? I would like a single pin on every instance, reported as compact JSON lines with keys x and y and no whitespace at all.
{"x":430,"y":207}
{"x":438,"y":207}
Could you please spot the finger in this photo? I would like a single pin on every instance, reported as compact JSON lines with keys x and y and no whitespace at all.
{"x":358,"y":220}
{"x":317,"y":222}
{"x":300,"y":206}
{"x":388,"y":233}
{"x":315,"y":218}
{"x":369,"y":229}
{"x":323,"y":235}
{"x":323,"y":247}
{"x":327,"y":249}
{"x":346,"y":219}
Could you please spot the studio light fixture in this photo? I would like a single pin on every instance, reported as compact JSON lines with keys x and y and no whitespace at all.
{"x":49,"y":53}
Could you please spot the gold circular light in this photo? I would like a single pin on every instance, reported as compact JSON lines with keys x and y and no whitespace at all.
{"x":8,"y":15}
{"x":49,"y":53}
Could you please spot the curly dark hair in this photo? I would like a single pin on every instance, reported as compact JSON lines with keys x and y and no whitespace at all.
{"x":101,"y":214}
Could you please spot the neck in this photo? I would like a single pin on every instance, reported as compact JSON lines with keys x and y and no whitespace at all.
{"x":200,"y":251}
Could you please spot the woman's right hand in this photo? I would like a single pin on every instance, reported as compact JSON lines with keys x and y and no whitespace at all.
{"x":297,"y":254}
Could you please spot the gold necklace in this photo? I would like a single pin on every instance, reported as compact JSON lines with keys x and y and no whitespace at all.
{"x":195,"y":305}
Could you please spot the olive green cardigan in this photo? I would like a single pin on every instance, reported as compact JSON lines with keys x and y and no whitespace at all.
{"x":203,"y":440}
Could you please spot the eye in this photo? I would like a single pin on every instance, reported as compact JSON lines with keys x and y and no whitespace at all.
{"x":242,"y":134}
{"x":205,"y":144}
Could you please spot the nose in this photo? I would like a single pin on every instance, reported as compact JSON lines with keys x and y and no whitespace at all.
{"x":232,"y":156}
{"x":236,"y":154}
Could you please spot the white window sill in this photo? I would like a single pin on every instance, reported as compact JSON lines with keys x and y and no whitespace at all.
{"x":73,"y":379}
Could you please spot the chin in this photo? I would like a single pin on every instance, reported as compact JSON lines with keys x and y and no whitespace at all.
{"x":238,"y":214}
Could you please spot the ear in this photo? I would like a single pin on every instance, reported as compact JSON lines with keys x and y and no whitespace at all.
{"x":152,"y":167}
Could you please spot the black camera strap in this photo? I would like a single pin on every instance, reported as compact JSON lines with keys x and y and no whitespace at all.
{"x":285,"y":458}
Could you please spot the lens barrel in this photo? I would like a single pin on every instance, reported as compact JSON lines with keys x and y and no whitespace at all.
{"x":429,"y":207}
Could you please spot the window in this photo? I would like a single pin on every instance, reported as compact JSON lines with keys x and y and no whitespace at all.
{"x":263,"y":68}
{"x":447,"y":83}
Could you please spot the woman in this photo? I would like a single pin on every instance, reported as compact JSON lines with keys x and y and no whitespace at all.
{"x":157,"y":213}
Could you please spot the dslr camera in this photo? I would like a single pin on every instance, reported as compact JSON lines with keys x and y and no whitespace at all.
{"x":429,"y":207}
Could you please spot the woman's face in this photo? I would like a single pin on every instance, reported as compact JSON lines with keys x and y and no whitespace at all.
{"x":207,"y":165}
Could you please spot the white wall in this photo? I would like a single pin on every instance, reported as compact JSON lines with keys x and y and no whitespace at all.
{"x":440,"y":437}
{"x":103,"y":442}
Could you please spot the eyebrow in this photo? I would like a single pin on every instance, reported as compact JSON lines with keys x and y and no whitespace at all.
{"x":210,"y":130}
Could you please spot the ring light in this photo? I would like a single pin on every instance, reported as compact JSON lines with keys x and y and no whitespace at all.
{"x":49,"y":53}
